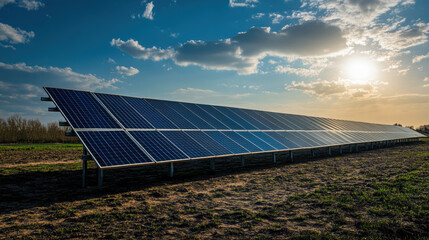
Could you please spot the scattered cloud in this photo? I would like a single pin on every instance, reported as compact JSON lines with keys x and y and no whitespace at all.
{"x":242,"y":3}
{"x":53,"y":76}
{"x":11,"y":35}
{"x":243,"y":52}
{"x":258,"y":15}
{"x":111,"y":60}
{"x":127,"y":71}
{"x":27,"y":4}
{"x":133,"y":48}
{"x":174,"y":35}
{"x":305,"y":72}
{"x":419,"y":58}
{"x":276,"y":18}
{"x":148,"y":12}
{"x":303,"y":15}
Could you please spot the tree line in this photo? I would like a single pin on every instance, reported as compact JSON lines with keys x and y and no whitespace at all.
{"x":422,"y":129}
{"x":17,"y":129}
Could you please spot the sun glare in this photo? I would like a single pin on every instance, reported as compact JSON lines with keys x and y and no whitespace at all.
{"x":359,"y":70}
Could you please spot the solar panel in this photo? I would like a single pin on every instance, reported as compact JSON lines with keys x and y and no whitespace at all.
{"x":81,"y":109}
{"x":113,"y":148}
{"x":122,"y":131}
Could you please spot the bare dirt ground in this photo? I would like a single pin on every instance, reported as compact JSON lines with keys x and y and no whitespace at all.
{"x":375,"y":194}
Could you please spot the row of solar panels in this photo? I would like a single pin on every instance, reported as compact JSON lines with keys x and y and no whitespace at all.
{"x":122,"y":131}
{"x":116,"y":148}
{"x":86,"y":110}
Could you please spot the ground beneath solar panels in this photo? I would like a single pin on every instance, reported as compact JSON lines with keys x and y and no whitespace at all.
{"x":381,"y":193}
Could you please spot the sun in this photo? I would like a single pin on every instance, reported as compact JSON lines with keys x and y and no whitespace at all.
{"x":360,"y":70}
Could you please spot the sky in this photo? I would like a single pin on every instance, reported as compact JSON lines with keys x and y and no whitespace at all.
{"x":363,"y":60}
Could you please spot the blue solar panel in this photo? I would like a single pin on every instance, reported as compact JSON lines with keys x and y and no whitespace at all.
{"x":205,"y":116}
{"x":125,"y":114}
{"x":288,"y":143}
{"x":158,"y":120}
{"x":257,"y":141}
{"x":242,"y":141}
{"x":236,"y":118}
{"x":81,"y":109}
{"x":190,"y":116}
{"x":187,"y":144}
{"x":216,"y":148}
{"x":254,"y":114}
{"x":164,"y":108}
{"x":221,"y":117}
{"x":259,"y":125}
{"x":226,"y":142}
{"x":294,"y":137}
{"x":113,"y":148}
{"x":158,"y":146}
{"x":270,"y":140}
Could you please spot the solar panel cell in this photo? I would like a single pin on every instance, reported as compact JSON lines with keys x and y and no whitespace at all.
{"x":226,"y":142}
{"x":216,"y":148}
{"x":242,"y":141}
{"x":187,"y":144}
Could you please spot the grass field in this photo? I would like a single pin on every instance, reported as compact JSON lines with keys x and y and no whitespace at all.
{"x":376,"y":194}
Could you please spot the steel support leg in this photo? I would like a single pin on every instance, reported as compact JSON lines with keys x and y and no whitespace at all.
{"x":171,"y":173}
{"x":357,"y":147}
{"x":291,"y":156}
{"x":84,"y":167}
{"x":274,"y":157}
{"x":242,"y":161}
{"x":329,"y":151}
{"x":100,"y":177}
{"x":312,"y":153}
{"x":350,"y":148}
{"x":341,"y":150}
{"x":212,"y":165}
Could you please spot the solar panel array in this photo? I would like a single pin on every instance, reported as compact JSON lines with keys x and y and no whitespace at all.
{"x":123,"y":131}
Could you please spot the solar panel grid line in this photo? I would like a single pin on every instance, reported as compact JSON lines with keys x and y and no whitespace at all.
{"x":156,"y":118}
{"x":284,"y":117}
{"x":207,"y":141}
{"x":179,"y":120}
{"x":231,"y":124}
{"x":236,"y":118}
{"x":288,"y":143}
{"x":188,"y":145}
{"x":250,"y":119}
{"x":129,"y":135}
{"x":254,"y":114}
{"x":129,"y":114}
{"x":191,"y":116}
{"x":242,"y":141}
{"x":157,"y":142}
{"x":269,"y":140}
{"x":205,"y":116}
{"x":227,"y":142}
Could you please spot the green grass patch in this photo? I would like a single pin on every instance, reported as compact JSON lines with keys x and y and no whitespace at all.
{"x":45,"y":146}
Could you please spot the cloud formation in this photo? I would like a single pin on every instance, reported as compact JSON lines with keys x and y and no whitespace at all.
{"x":148,"y":11}
{"x":419,"y":58}
{"x":27,"y":4}
{"x":133,"y":48}
{"x":10,"y":35}
{"x":127,"y":71}
{"x":243,"y":52}
{"x":242,"y":3}
{"x":53,"y":76}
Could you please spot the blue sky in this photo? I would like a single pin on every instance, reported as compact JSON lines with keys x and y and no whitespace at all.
{"x":365,"y":60}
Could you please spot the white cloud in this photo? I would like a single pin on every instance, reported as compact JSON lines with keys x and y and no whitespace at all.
{"x":133,"y":48}
{"x":27,"y":4}
{"x":148,"y":12}
{"x":243,"y":52}
{"x":426,"y":79}
{"x":30,"y":4}
{"x":258,"y":15}
{"x":306,"y":72}
{"x":276,"y":18}
{"x":303,"y":15}
{"x":127,"y":71}
{"x":111,"y":60}
{"x":242,"y":3}
{"x":419,"y":58}
{"x":12,"y":35}
{"x":54,"y":76}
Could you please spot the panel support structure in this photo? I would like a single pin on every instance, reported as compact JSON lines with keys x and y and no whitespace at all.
{"x":212,"y":165}
{"x":312,"y":153}
{"x":340,"y":149}
{"x":274,"y":157}
{"x":242,"y":161}
{"x":84,"y":167}
{"x":357,"y":147}
{"x":100,"y":177}
{"x":291,"y":156}
{"x":171,"y":172}
{"x":329,"y":151}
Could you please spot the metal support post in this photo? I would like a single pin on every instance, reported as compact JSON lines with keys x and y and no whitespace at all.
{"x":350,"y":148}
{"x":84,"y":167}
{"x":242,"y":161}
{"x":171,"y":173}
{"x":341,"y":150}
{"x":274,"y":157}
{"x":100,"y":177}
{"x":291,"y":156}
{"x":212,"y":165}
{"x":357,"y":147}
{"x":312,"y":153}
{"x":329,"y":151}
{"x":366,"y":146}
